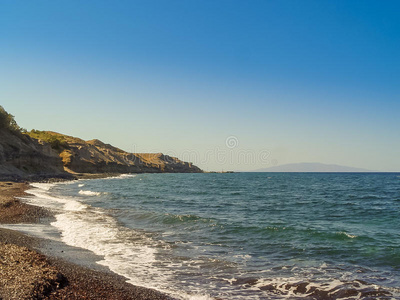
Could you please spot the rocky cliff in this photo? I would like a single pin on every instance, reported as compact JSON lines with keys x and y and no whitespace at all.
{"x":42,"y":154}
{"x":94,"y":156}
{"x":22,"y":157}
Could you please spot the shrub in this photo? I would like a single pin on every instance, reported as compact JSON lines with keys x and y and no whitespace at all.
{"x":56,"y":142}
{"x":7,"y":120}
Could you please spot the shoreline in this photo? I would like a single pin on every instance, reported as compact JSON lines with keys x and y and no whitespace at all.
{"x":30,"y":268}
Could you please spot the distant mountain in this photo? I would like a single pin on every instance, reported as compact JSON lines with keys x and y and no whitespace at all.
{"x":311,"y":167}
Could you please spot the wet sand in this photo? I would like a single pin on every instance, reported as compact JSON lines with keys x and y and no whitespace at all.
{"x":31,"y":268}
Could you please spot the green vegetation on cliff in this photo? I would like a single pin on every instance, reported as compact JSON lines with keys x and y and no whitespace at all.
{"x":57,"y":142}
{"x":7,"y":121}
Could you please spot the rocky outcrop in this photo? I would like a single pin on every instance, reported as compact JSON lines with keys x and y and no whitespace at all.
{"x":94,"y":156}
{"x":39,"y":155}
{"x":22,"y":157}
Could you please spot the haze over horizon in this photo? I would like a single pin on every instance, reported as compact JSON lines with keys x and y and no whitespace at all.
{"x":228,"y":85}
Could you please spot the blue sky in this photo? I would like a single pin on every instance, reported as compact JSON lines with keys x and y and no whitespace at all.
{"x":288,"y":81}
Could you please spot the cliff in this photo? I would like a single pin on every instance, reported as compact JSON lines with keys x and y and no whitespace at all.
{"x":43,"y":154}
{"x":22,"y":157}
{"x":94,"y":156}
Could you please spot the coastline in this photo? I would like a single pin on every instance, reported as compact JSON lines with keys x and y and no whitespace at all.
{"x":31,"y":269}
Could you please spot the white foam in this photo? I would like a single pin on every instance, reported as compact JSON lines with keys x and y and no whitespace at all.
{"x":286,"y":287}
{"x":43,"y":186}
{"x":85,"y":227}
{"x":200,"y":297}
{"x":89,"y":193}
{"x":127,"y":175}
{"x":347,"y":234}
{"x":75,"y":206}
{"x":44,"y":199}
{"x":125,"y":252}
{"x":122,"y":176}
{"x":67,"y":182}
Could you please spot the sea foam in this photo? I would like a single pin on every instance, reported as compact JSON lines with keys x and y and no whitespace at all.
{"x":89,"y":193}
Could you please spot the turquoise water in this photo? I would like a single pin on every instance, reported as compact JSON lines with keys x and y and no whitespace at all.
{"x":242,"y":235}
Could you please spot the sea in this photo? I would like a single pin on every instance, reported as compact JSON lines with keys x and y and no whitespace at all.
{"x":238,"y":235}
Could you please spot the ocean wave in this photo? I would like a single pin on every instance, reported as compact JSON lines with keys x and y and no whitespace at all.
{"x":130,"y":253}
{"x":289,"y":230}
{"x":41,"y":197}
{"x":332,"y":289}
{"x":89,"y":193}
{"x":351,"y":236}
{"x":172,"y":219}
{"x":122,"y":176}
{"x":43,"y":186}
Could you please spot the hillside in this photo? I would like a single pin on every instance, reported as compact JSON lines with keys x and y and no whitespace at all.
{"x":311,"y":167}
{"x":44,"y":154}
{"x":94,"y":156}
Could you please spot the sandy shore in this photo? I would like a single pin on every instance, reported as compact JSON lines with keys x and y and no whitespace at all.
{"x":26,"y":273}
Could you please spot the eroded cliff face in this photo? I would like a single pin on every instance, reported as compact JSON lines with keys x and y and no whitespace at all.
{"x":38,"y":155}
{"x":22,"y":157}
{"x":94,"y":156}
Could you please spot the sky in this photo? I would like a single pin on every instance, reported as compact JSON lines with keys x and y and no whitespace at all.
{"x":228,"y":85}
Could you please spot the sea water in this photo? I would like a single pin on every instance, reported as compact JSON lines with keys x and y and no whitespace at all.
{"x":241,"y":235}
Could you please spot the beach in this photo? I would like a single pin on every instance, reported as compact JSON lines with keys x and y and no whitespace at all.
{"x":28,"y":273}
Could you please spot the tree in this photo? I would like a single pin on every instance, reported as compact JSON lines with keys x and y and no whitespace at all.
{"x":7,"y":120}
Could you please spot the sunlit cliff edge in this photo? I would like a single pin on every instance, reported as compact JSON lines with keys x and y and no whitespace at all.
{"x":46,"y":154}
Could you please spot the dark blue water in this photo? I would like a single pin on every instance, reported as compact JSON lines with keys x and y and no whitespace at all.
{"x":242,"y":235}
